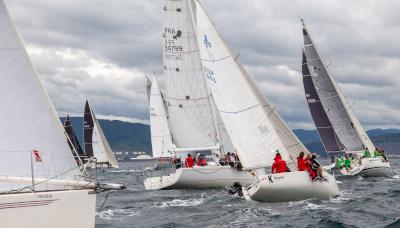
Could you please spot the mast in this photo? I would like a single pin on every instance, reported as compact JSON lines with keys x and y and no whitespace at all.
{"x":344,"y":121}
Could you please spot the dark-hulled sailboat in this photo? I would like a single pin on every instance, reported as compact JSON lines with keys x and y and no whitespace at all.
{"x":96,"y":144}
{"x":337,"y":125}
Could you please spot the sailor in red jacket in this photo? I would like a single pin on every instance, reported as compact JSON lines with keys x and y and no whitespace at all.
{"x":301,"y":162}
{"x":279,"y":165}
{"x":189,"y":161}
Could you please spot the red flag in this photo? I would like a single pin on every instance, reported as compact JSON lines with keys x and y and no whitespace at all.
{"x":37,"y":156}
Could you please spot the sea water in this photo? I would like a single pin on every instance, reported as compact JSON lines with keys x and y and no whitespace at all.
{"x":363,"y":202}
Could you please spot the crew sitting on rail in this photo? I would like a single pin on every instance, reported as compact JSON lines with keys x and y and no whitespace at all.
{"x":377,"y":152}
{"x":279,"y":165}
{"x":189,"y":161}
{"x":232,"y":160}
{"x":316,"y":168}
{"x":202,"y":160}
{"x":367,"y":154}
{"x":301,"y":163}
{"x":339,"y":163}
{"x":347,"y":162}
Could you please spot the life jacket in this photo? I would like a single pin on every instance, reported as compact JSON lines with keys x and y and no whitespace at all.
{"x":279,"y":165}
{"x":189,"y":162}
{"x":301,"y":164}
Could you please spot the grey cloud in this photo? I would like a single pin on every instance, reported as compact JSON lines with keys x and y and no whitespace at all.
{"x":359,"y":39}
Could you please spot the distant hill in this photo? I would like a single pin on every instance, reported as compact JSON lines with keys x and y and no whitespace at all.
{"x":125,"y":136}
{"x":388,"y":139}
{"x":122,"y":136}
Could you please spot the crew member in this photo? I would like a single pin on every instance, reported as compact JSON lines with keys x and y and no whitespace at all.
{"x":279,"y":165}
{"x":301,"y":164}
{"x":189,"y":161}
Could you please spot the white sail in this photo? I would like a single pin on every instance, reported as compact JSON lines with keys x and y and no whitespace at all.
{"x":188,"y":103}
{"x":101,"y":149}
{"x":252,"y":130}
{"x":161,"y":139}
{"x":345,"y":123}
{"x":28,"y":120}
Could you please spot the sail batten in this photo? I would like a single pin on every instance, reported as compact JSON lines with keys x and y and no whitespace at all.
{"x":346,"y":125}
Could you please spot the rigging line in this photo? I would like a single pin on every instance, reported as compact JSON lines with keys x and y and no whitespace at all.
{"x":215,"y":60}
{"x":243,"y":110}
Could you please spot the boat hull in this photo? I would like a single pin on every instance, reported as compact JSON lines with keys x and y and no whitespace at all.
{"x":200,"y":178}
{"x":290,"y":186}
{"x":369,"y":167}
{"x":61,"y":209}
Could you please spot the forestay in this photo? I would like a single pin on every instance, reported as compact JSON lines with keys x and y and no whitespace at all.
{"x":28,"y":120}
{"x":161,"y":139}
{"x":321,"y":120}
{"x":252,"y":129}
{"x":347,"y":127}
{"x":188,"y":103}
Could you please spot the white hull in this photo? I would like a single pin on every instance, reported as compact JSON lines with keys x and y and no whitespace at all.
{"x":369,"y":167}
{"x":200,"y":178}
{"x":60,"y":209}
{"x":291,"y":186}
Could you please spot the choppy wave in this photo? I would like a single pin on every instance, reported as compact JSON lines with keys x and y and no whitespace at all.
{"x":180,"y":203}
{"x":117,"y":214}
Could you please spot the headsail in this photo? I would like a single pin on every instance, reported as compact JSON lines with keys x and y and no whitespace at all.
{"x":345,"y":123}
{"x":321,"y":120}
{"x":256,"y":130}
{"x":32,"y":137}
{"x":188,"y":103}
{"x":73,"y":140}
{"x":161,"y":139}
{"x":97,"y":142}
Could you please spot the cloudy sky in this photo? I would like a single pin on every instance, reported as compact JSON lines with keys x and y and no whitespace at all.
{"x":101,"y":50}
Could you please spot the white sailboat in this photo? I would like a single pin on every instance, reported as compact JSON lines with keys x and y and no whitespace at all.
{"x":40,"y":182}
{"x":255,"y":128}
{"x":192,"y":122}
{"x":96,"y":144}
{"x":161,"y":139}
{"x":339,"y":128}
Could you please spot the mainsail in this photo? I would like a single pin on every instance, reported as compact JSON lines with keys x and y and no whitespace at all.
{"x":255,"y":129}
{"x":188,"y":102}
{"x":73,"y":140}
{"x":321,"y":120}
{"x":161,"y":139}
{"x":95,"y":140}
{"x":345,"y":123}
{"x":32,"y":141}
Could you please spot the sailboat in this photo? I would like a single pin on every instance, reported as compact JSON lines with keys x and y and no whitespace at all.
{"x":190,"y":125}
{"x":41,"y":184}
{"x":96,"y":144}
{"x":338,"y":127}
{"x":161,"y":139}
{"x":73,"y":141}
{"x":256,"y":130}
